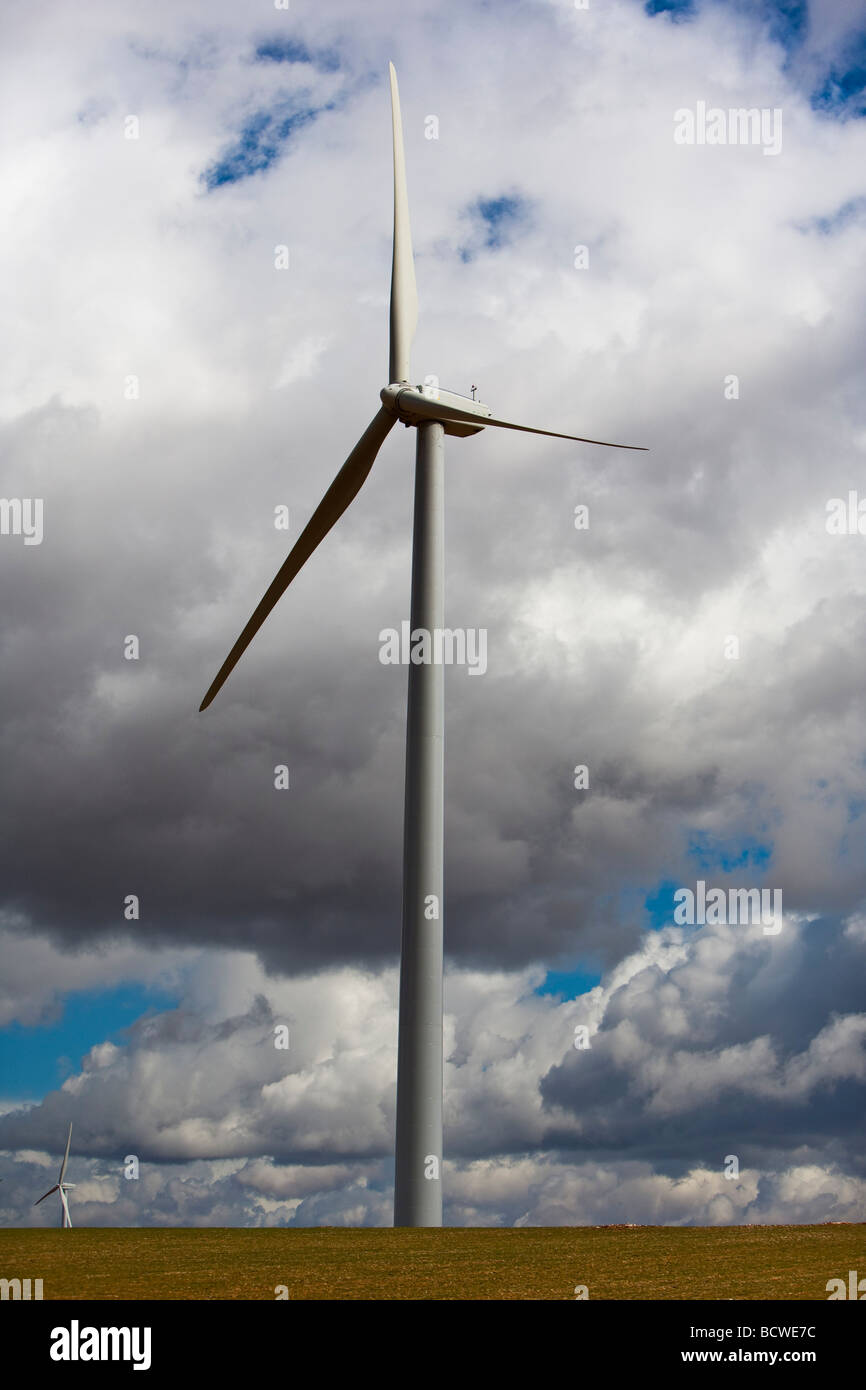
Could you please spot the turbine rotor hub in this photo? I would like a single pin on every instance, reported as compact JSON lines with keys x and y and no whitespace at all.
{"x":413,"y":405}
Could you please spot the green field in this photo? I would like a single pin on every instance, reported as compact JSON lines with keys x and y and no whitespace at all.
{"x":644,"y":1262}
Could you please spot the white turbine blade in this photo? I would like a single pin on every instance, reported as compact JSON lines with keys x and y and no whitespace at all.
{"x":55,"y":1188}
{"x":404,"y":291}
{"x":67,"y":1219}
{"x":65,"y":1156}
{"x":415,"y":404}
{"x":553,"y":434}
{"x":342,"y":491}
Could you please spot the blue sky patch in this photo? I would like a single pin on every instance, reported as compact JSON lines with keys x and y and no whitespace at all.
{"x":288,"y":50}
{"x":569,"y":983}
{"x":659,"y":904}
{"x":843,"y":92}
{"x":261,"y":141}
{"x":497,"y":222}
{"x":836,"y":221}
{"x":712,"y":854}
{"x":677,"y":9}
{"x":788,"y":20}
{"x":39,"y":1059}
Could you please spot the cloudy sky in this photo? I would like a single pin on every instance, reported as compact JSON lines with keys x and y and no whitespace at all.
{"x":698,"y":647}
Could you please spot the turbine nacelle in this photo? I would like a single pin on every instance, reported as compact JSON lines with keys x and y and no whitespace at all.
{"x":414,"y":404}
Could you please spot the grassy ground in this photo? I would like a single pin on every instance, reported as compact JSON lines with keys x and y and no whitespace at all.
{"x":645,"y":1262}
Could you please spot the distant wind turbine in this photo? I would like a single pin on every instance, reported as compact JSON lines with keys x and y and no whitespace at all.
{"x":62,"y":1187}
{"x":417,"y":1185}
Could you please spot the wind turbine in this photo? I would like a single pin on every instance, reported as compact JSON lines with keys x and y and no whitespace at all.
{"x":62,"y":1187}
{"x":417,"y":1184}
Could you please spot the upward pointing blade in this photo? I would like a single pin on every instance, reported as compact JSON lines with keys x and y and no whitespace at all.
{"x":342,"y":491}
{"x":65,"y":1156}
{"x":404,"y":291}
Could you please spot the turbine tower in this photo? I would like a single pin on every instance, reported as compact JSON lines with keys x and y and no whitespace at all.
{"x":62,"y":1187}
{"x":434,"y":414}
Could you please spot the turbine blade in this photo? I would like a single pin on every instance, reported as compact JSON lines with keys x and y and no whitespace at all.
{"x":404,"y":291}
{"x":67,"y":1219}
{"x":554,"y":434}
{"x":342,"y":491}
{"x":55,"y":1188}
{"x":417,"y":404}
{"x":65,"y":1156}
